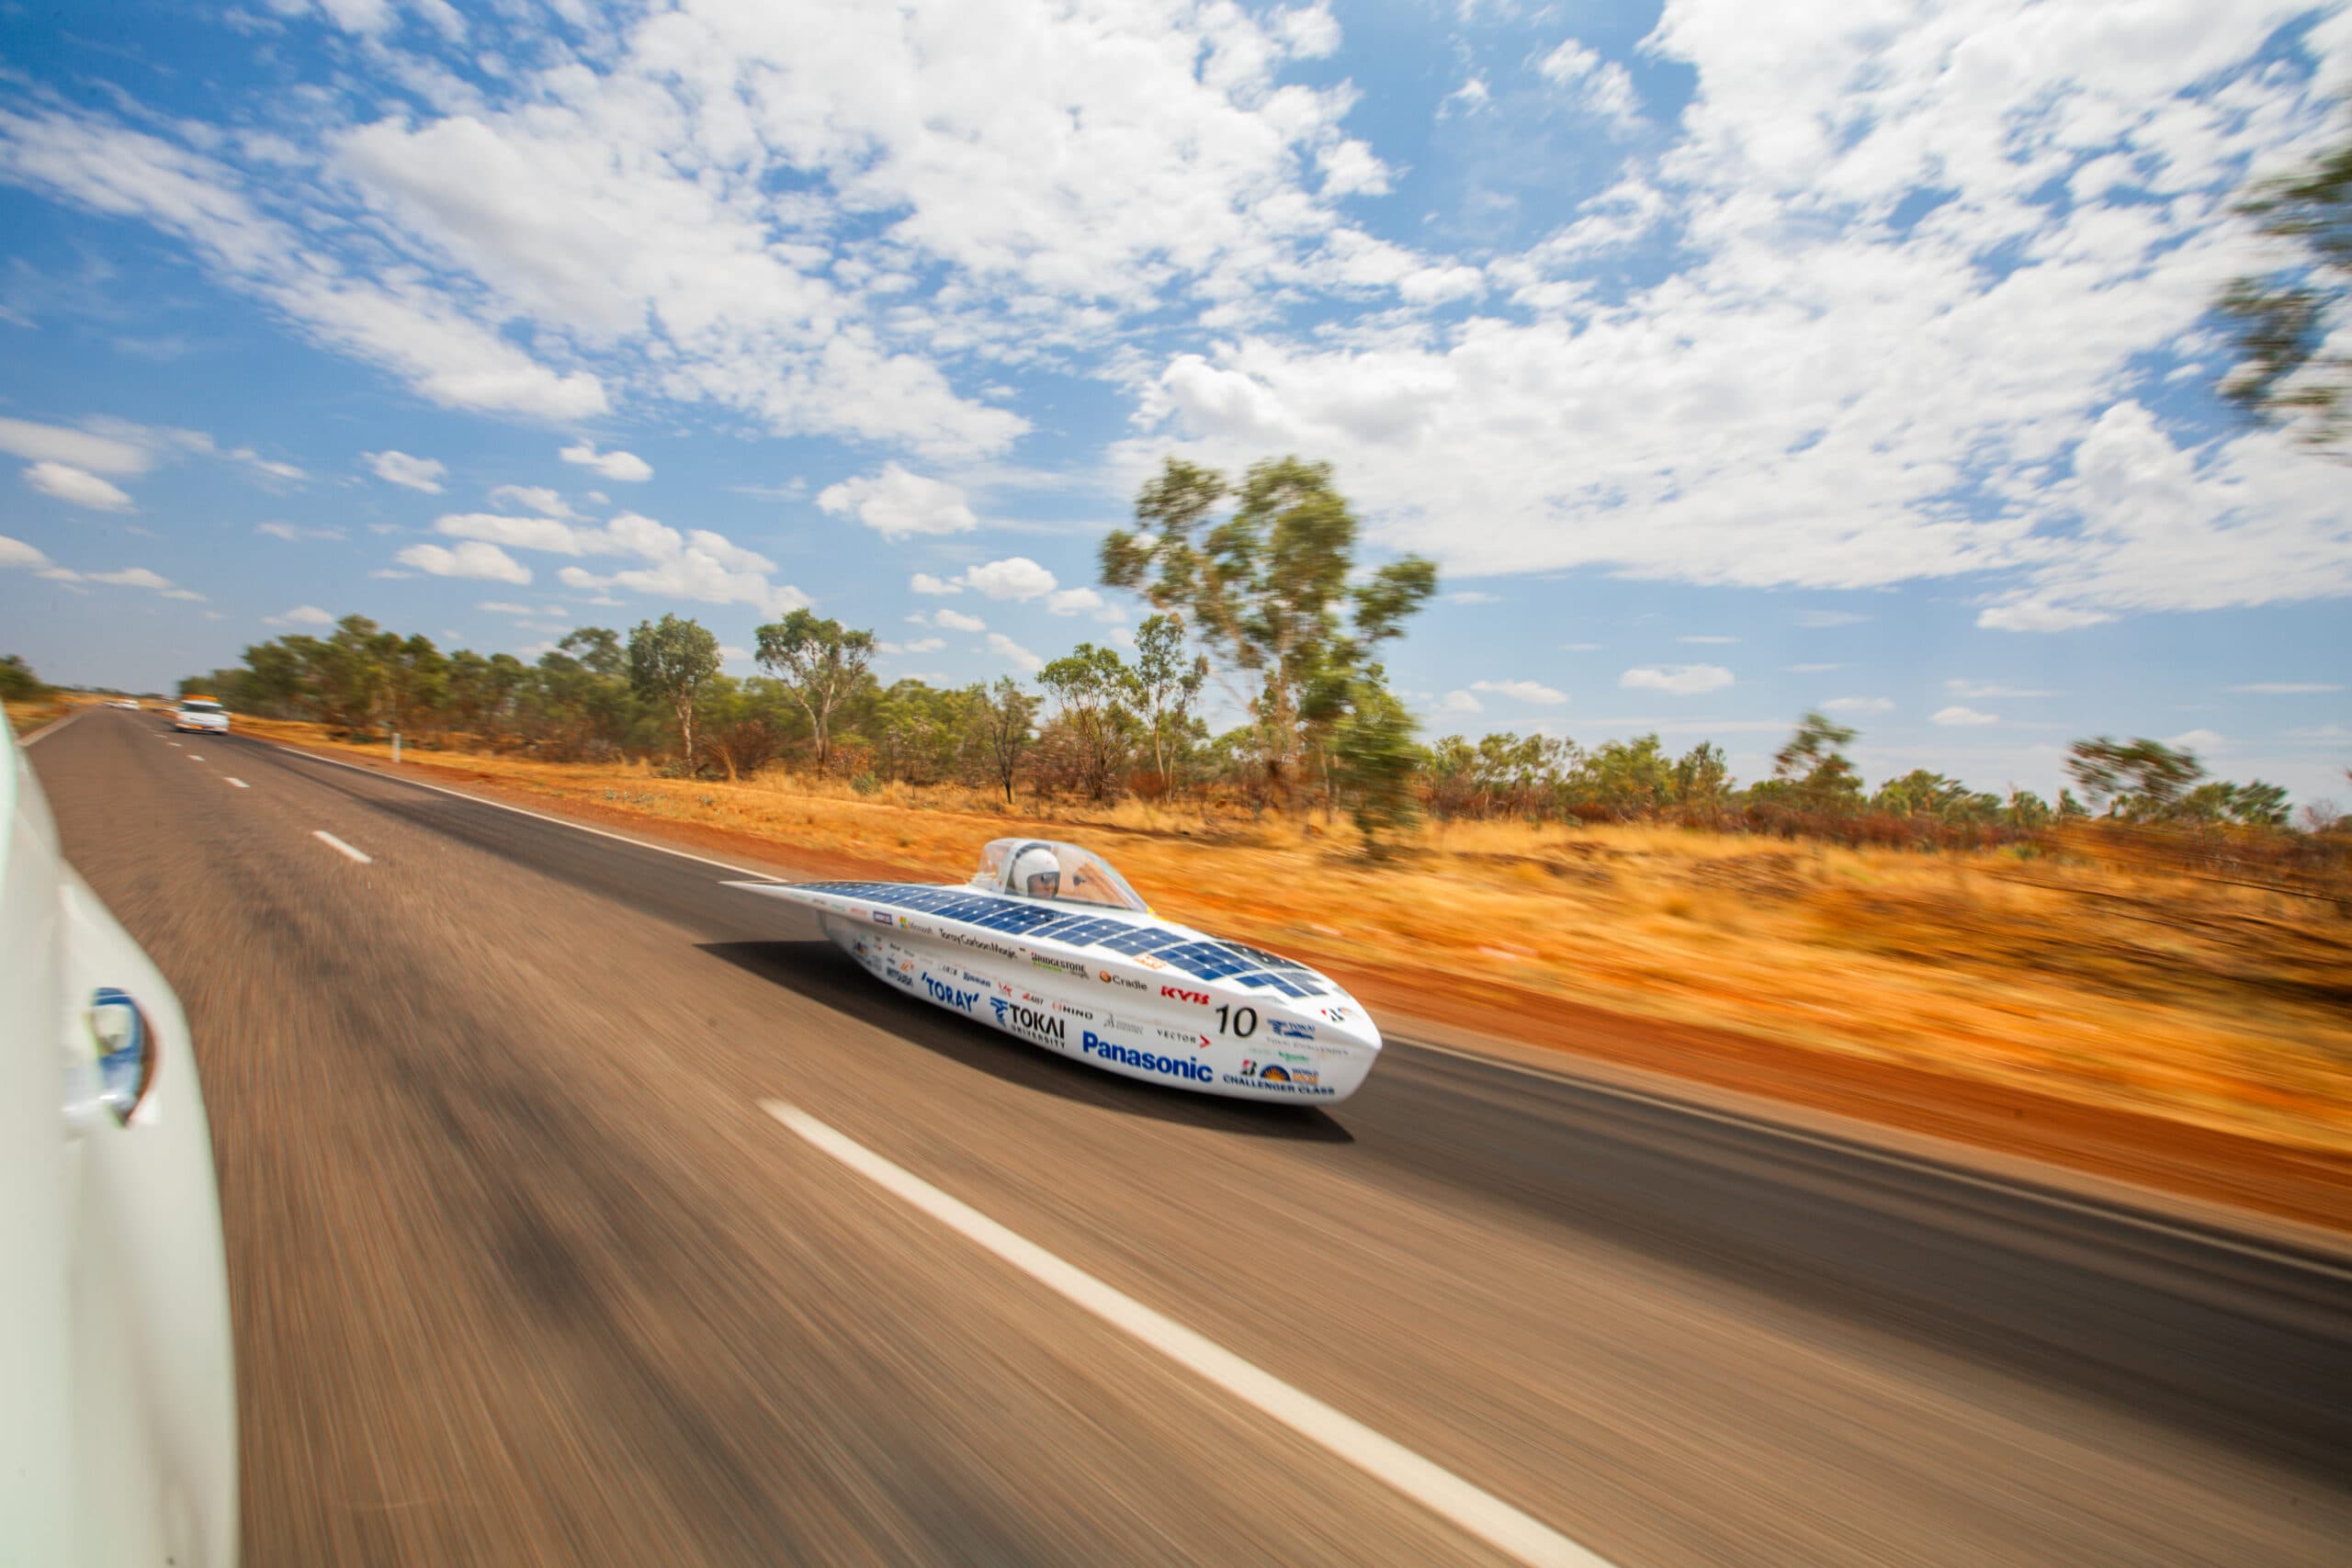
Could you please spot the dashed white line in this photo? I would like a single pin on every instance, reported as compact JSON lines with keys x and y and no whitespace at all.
{"x":335,"y":843}
{"x":194,"y":758}
{"x":1441,"y":1491}
{"x":240,"y":783}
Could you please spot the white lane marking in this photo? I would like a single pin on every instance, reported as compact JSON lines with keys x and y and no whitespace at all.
{"x":335,"y":843}
{"x":170,"y":742}
{"x":52,"y":728}
{"x":2196,"y":1234}
{"x":194,"y":758}
{"x":1441,"y":1491}
{"x":240,"y":783}
{"x":520,"y":811}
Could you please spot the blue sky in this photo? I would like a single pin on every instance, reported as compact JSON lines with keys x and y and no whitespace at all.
{"x":1731,"y":358}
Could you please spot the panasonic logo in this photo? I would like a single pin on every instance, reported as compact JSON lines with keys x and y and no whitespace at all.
{"x":1181,"y":995}
{"x":1093,"y":1044}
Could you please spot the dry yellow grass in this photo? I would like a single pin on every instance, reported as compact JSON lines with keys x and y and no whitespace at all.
{"x":2205,"y":1003}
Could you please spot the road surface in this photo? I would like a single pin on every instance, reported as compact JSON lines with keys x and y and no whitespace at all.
{"x":562,"y":1227}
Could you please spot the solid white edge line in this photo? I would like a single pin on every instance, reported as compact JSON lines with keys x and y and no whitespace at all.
{"x":519,"y":810}
{"x":240,"y":783}
{"x":1441,"y":1491}
{"x":335,"y":843}
{"x":1886,"y":1156}
{"x":52,"y":728}
{"x":2091,"y":1208}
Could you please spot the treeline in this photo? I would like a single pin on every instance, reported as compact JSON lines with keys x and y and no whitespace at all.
{"x":1253,"y":584}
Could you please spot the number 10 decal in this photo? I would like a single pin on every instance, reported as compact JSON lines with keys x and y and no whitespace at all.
{"x":1242,"y":1021}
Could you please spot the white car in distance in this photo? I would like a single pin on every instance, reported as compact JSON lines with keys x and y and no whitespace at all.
{"x":200,"y":714}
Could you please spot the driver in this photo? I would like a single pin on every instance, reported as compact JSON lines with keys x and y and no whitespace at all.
{"x":1035,"y":873}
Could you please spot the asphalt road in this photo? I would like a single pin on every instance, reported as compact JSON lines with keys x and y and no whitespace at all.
{"x":523,"y":1272}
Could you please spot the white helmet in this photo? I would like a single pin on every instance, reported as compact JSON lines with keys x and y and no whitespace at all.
{"x":1035,"y":873}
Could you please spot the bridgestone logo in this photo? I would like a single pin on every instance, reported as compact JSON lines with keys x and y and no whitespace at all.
{"x":1093,"y":1044}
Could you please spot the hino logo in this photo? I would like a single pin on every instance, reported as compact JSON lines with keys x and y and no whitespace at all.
{"x":1030,"y":1019}
{"x":949,"y":996}
{"x":1199,"y":998}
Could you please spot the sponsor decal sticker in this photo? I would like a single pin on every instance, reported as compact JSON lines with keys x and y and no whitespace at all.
{"x":1192,"y":1038}
{"x":1148,"y":961}
{"x":1061,"y":965}
{"x":983,"y":944}
{"x":1084,"y":1015}
{"x":1274,"y":1076}
{"x":1108,"y":979}
{"x":1337,"y":1015}
{"x":881,"y":918}
{"x":948,"y":996}
{"x":1179,"y":994}
{"x":1013,"y":1015}
{"x":1093,"y":1044}
{"x":1289,"y":1030}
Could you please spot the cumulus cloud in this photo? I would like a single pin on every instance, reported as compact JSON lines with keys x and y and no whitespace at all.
{"x":1471,"y":596}
{"x":79,"y":448}
{"x":2288,"y":688}
{"x":956,"y":621}
{"x":1460,"y":702}
{"x":294,"y":532}
{"x":1959,"y":716}
{"x":695,"y":563}
{"x":537,"y":499}
{"x":424,"y":474}
{"x":1676,"y":680}
{"x":1859,"y":705}
{"x":76,"y":487}
{"x":2200,"y":740}
{"x":15,"y":553}
{"x":301,"y":615}
{"x":473,"y":558}
{"x":924,"y":582}
{"x":1707,"y":641}
{"x":1020,"y":658}
{"x":894,"y":503}
{"x":1597,"y":87}
{"x":1016,"y":577}
{"x":1522,"y":692}
{"x":1994,"y":689}
{"x":624,"y":467}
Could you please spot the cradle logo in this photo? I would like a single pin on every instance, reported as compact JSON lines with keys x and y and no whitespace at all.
{"x":949,"y":996}
{"x":1093,"y":1044}
{"x":1030,"y":1019}
{"x":1108,"y":979}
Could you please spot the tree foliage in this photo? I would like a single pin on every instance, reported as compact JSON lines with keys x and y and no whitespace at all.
{"x":670,"y":662}
{"x":820,"y":665}
{"x":2285,"y":319}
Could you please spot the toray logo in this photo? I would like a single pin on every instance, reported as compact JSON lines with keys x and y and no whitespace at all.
{"x":1181,"y":995}
{"x":949,"y":996}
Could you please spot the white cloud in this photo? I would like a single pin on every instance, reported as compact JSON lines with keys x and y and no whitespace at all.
{"x":1084,"y":602}
{"x":79,"y":448}
{"x":1597,"y":87}
{"x":538,"y":500}
{"x":139,"y":577}
{"x":624,"y":467}
{"x":1017,"y":577}
{"x":895,"y":504}
{"x":1813,"y":669}
{"x":2202,"y":741}
{"x":1471,"y":596}
{"x":15,"y":553}
{"x":527,"y":533}
{"x":301,"y":615}
{"x":924,"y":582}
{"x":1959,"y":715}
{"x":414,"y":473}
{"x":2288,"y":688}
{"x":1580,"y":647}
{"x":472,"y":558}
{"x":956,"y":621}
{"x":1704,"y":641}
{"x":2320,"y":734}
{"x":76,"y":487}
{"x":2034,"y":615}
{"x":295,"y":533}
{"x":1818,"y":620}
{"x":1020,"y":658}
{"x":1680,"y":679}
{"x":1460,"y":702}
{"x":1859,"y":705}
{"x":1522,"y":692}
{"x":920,"y":645}
{"x":697,"y":564}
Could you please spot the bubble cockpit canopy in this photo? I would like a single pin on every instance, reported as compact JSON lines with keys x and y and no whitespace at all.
{"x":1061,"y":873}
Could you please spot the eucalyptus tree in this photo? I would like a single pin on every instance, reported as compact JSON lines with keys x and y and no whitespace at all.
{"x":821,"y":663}
{"x":668,"y":663}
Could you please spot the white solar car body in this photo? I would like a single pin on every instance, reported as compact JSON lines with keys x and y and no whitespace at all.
{"x":1089,"y":972}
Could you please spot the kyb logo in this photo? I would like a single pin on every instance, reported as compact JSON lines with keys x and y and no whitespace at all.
{"x":1013,"y":1015}
{"x":1178,"y":993}
{"x":948,"y":996}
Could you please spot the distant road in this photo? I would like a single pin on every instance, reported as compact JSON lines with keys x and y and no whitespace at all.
{"x":525,"y":1270}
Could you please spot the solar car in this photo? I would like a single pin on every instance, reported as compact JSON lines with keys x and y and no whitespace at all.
{"x":1049,"y":944}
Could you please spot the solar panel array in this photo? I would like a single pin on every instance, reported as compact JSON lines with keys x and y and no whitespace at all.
{"x":1019,"y":917}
